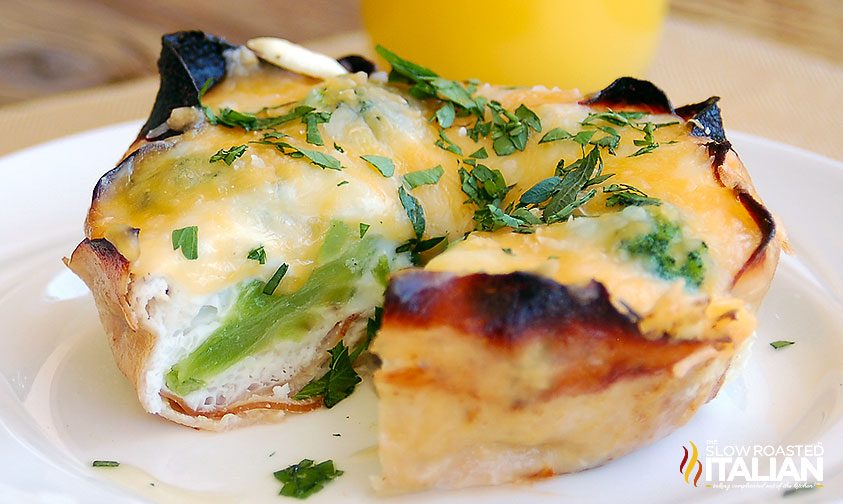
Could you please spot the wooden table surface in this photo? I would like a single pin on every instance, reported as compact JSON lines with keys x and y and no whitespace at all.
{"x":50,"y":46}
{"x":69,"y":65}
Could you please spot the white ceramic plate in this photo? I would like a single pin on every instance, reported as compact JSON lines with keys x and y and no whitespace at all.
{"x":63,"y":402}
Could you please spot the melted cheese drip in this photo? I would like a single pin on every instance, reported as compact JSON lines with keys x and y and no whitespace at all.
{"x":285,"y":205}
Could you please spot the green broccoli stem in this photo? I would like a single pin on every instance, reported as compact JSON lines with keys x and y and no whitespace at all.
{"x":257,"y":321}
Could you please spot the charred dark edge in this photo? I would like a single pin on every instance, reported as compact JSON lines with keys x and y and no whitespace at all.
{"x":765,"y":222}
{"x":718,"y":151}
{"x":105,"y":249}
{"x":705,"y":119}
{"x":355,"y":63}
{"x":629,"y":93}
{"x":504,"y":309}
{"x":188,"y":60}
{"x":127,"y":164}
{"x":759,"y":213}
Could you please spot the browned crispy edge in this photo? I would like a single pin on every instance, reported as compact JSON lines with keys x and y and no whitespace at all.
{"x":507,"y":311}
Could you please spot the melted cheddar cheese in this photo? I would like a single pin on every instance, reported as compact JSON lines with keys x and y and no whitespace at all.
{"x":285,"y":204}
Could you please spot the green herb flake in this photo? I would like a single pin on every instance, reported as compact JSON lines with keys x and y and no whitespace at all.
{"x":105,"y":463}
{"x":342,"y":183}
{"x":321,"y":159}
{"x":781,"y":344}
{"x":626,"y":195}
{"x":445,"y":143}
{"x":479,"y":154}
{"x":541,"y":192}
{"x":416,"y":247}
{"x":427,"y":84}
{"x":233,"y":118}
{"x":273,"y":282}
{"x":645,"y":150}
{"x":423,"y":177}
{"x":382,"y":164}
{"x":229,"y":155}
{"x":414,"y":210}
{"x":306,"y":478}
{"x":528,"y":117}
{"x":337,"y":383}
{"x":257,"y":254}
{"x":508,"y":251}
{"x":338,"y":148}
{"x":363,"y":228}
{"x":311,"y":119}
{"x":583,"y":137}
{"x":270,"y":122}
{"x":445,"y":115}
{"x":187,"y":239}
{"x":555,"y":135}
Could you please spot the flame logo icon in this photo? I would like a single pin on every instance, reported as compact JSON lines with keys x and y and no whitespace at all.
{"x":689,"y":463}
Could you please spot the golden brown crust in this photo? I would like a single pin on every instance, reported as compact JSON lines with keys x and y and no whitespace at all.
{"x":106,"y":273}
{"x":514,"y":384}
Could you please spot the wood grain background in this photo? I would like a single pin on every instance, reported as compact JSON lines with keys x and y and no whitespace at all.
{"x":51,"y":46}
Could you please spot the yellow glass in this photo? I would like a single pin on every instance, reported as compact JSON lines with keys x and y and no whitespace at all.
{"x":571,"y":44}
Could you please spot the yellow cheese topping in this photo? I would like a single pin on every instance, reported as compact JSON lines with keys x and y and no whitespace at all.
{"x":285,"y":204}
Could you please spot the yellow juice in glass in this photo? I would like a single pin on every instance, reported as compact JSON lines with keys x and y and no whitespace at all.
{"x":565,"y":43}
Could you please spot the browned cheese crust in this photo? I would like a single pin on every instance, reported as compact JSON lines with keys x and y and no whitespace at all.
{"x":494,"y":378}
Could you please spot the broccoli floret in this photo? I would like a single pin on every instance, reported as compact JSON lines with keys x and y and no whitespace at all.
{"x":654,"y":248}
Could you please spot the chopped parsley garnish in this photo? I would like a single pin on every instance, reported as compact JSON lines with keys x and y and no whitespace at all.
{"x":415,"y":247}
{"x":257,"y":254}
{"x":340,"y":379}
{"x":645,"y":150}
{"x":382,"y":164}
{"x":319,"y":159}
{"x":305,"y":479}
{"x":273,"y":282}
{"x":625,"y":195}
{"x":363,"y":228}
{"x":232,"y":118}
{"x":426,"y":83}
{"x":311,"y":119}
{"x":337,"y":383}
{"x":229,"y":155}
{"x":445,"y":143}
{"x":414,"y":210}
{"x":105,"y":463}
{"x":423,"y":177}
{"x":187,"y":239}
{"x":566,"y":191}
{"x":446,"y":115}
{"x":342,"y":183}
{"x":554,"y":135}
{"x":508,"y":251}
{"x":486,"y":189}
{"x":509,"y":130}
{"x":479,"y":154}
{"x":338,"y":148}
{"x":655,"y":249}
{"x":781,"y":344}
{"x":271,"y":122}
{"x":603,"y":122}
